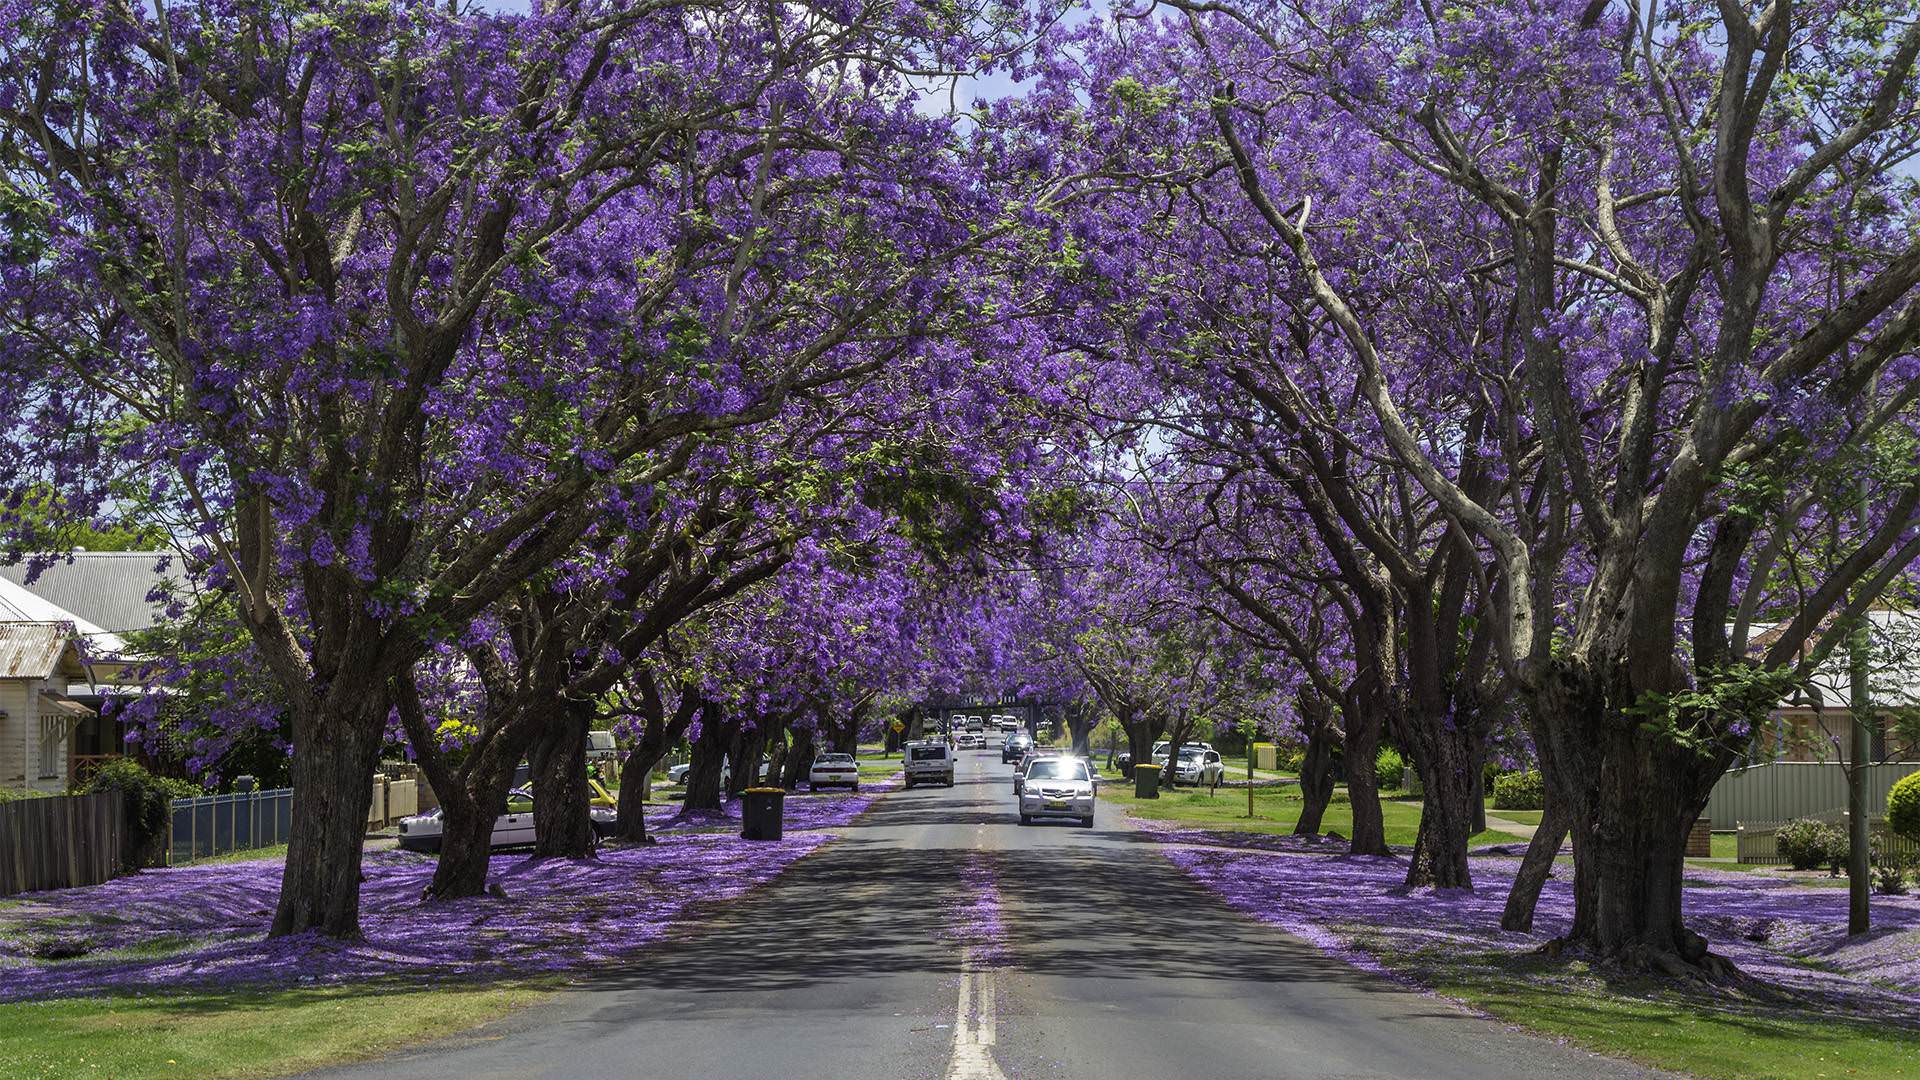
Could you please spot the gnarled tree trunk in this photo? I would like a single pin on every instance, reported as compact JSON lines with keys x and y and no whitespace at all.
{"x":709,"y":752}
{"x":1535,"y":868}
{"x":562,"y":801}
{"x":1316,"y":765}
{"x":1362,"y":745}
{"x":1632,"y":794}
{"x":336,"y":744}
{"x":1448,"y":758}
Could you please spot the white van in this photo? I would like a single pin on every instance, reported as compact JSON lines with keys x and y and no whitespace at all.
{"x":929,"y":762}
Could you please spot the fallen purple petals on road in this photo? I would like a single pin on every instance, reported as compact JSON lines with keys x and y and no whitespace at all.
{"x":204,"y":927}
{"x":974,"y":921}
{"x":1790,"y":935}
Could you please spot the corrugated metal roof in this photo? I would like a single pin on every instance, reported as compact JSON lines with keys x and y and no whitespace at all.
{"x":35,"y":650}
{"x":106,"y":588}
{"x":18,"y":605}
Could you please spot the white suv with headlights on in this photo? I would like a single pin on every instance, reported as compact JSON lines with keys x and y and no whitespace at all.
{"x":1057,"y":787}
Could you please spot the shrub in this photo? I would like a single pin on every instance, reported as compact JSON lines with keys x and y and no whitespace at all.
{"x":1890,"y":873}
{"x":1291,"y":760}
{"x":1388,"y":767}
{"x":1903,"y":807}
{"x":1520,"y":791}
{"x":149,"y":800}
{"x":1807,"y":843}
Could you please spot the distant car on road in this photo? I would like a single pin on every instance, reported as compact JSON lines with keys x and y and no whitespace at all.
{"x":1057,"y":787}
{"x":970,"y":740}
{"x":1017,"y":744}
{"x":929,"y":761}
{"x":833,"y":770}
{"x":423,"y":832}
{"x":1033,"y":754}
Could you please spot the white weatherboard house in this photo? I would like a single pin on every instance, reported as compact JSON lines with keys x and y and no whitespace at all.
{"x":39,"y":662}
{"x":48,"y":657}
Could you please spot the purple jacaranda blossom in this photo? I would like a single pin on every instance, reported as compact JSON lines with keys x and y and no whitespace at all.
{"x":201,"y":927}
{"x":1784,"y":933}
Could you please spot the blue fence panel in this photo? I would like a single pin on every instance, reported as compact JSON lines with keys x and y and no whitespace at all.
{"x":209,"y":825}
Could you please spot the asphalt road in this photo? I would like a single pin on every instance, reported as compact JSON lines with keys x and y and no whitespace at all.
{"x":853,"y":966}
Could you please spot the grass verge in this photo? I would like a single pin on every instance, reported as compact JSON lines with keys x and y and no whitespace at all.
{"x":1707,"y":1032}
{"x":239,"y":1035}
{"x":1275,"y":811}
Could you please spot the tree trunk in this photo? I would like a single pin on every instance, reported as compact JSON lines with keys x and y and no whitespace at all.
{"x":1635,"y":794}
{"x":749,"y":745}
{"x":1362,"y":744}
{"x":799,"y":758}
{"x":703,"y":769}
{"x":1316,"y":770}
{"x":335,"y":748}
{"x":1081,"y":718}
{"x":630,"y":816}
{"x":562,"y":801}
{"x":1448,"y":762}
{"x":466,"y":846}
{"x":1535,"y":868}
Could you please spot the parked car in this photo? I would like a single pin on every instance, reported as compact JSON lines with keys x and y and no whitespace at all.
{"x":1199,"y":767}
{"x":1033,"y":754}
{"x":1017,"y":744}
{"x":833,"y":770}
{"x":1058,"y":787}
{"x":1161,"y":749}
{"x":678,"y":774}
{"x":929,"y":761}
{"x":423,"y":832}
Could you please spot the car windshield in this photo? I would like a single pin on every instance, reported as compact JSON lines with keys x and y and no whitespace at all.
{"x":928,"y":753}
{"x":1191,"y":753}
{"x":834,"y":759}
{"x":1057,"y":769}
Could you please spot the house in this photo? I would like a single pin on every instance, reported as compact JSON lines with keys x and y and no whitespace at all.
{"x":39,"y":663}
{"x":1815,"y":723}
{"x":103,"y":596}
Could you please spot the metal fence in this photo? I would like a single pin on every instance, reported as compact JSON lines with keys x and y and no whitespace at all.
{"x":60,"y":842}
{"x":1758,"y":841}
{"x":210,"y":825}
{"x":1784,"y":790}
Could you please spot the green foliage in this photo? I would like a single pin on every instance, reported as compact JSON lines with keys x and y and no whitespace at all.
{"x":149,"y":798}
{"x":1807,"y":843}
{"x":1890,"y":871}
{"x":1520,"y":791}
{"x":1291,"y":760}
{"x":1903,"y":807}
{"x":1725,"y":708}
{"x":1388,"y":768}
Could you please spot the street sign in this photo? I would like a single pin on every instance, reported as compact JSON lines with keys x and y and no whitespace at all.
{"x":899,"y":726}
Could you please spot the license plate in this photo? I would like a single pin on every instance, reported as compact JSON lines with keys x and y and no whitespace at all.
{"x":1056,"y":804}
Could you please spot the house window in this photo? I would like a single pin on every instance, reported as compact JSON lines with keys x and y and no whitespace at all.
{"x":50,"y":756}
{"x":53,"y":743}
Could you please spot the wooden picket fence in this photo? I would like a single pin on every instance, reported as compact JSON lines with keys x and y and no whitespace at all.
{"x":1757,"y":842}
{"x":60,"y":842}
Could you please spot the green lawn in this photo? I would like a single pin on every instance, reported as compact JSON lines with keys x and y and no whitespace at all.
{"x":231,"y":1035}
{"x":1275,"y":811}
{"x":1707,"y":1032}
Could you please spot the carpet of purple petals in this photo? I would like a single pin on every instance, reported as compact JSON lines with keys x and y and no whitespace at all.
{"x":1785,"y":933}
{"x":203,"y":927}
{"x":974,"y":921}
{"x":799,"y":811}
